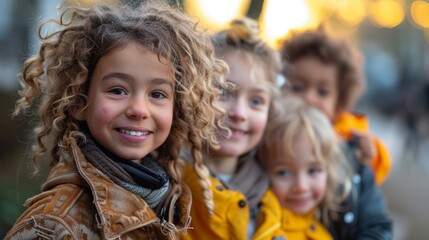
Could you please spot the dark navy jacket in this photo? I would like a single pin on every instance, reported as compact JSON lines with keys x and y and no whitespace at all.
{"x":366,"y":215}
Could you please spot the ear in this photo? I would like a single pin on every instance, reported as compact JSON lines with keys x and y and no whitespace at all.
{"x":78,"y":113}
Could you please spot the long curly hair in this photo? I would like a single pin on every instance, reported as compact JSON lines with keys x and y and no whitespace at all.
{"x":294,"y":117}
{"x":56,"y":80}
{"x":330,"y":50}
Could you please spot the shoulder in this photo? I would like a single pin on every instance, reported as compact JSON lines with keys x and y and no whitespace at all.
{"x":52,"y":214}
{"x":269,"y":207}
{"x":270,"y":201}
{"x":303,"y":226}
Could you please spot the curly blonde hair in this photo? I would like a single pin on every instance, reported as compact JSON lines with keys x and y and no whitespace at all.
{"x":56,"y":80}
{"x":330,"y":50}
{"x":293,"y":117}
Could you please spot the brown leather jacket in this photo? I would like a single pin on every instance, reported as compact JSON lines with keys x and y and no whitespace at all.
{"x":80,"y":202}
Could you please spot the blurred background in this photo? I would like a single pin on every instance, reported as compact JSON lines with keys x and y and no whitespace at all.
{"x":393,"y":36}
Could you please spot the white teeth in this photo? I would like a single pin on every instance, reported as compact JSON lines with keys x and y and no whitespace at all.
{"x":133,"y":133}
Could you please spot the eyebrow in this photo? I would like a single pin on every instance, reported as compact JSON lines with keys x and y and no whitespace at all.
{"x":126,"y":77}
{"x":159,"y":81}
{"x":260,"y":90}
{"x":257,"y":89}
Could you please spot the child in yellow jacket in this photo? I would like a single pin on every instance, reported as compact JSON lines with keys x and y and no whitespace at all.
{"x":240,"y":186}
{"x":300,"y":152}
{"x":327,"y":74}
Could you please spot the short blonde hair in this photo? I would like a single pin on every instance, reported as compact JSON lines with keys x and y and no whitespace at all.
{"x":293,"y":117}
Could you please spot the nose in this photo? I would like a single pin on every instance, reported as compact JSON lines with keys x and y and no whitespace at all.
{"x":237,"y":110}
{"x":310,"y":97}
{"x":138,"y":108}
{"x":300,"y":183}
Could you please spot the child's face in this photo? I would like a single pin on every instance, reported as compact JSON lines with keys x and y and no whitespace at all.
{"x":246,"y":106}
{"x":299,"y":181}
{"x":130,"y":101}
{"x":316,"y":83}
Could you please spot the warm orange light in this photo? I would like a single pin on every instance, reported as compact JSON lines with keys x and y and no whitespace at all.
{"x":216,"y":14}
{"x":386,"y":13}
{"x":279,"y":17}
{"x":326,"y":5}
{"x":420,"y":13}
{"x":351,"y":12}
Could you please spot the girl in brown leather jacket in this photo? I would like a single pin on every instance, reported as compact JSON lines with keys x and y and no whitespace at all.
{"x":117,"y":92}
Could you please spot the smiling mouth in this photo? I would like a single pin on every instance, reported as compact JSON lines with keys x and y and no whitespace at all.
{"x":133,"y":132}
{"x":235,"y":130}
{"x":298,"y":201}
{"x":238,"y":132}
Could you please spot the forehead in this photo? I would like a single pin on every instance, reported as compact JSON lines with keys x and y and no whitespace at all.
{"x":312,"y":69}
{"x":297,"y":150}
{"x":246,"y":69}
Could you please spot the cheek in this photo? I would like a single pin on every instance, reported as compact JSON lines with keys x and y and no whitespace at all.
{"x":99,"y":113}
{"x":165,"y":117}
{"x":279,"y":188}
{"x":259,"y":122}
{"x":105,"y":111}
{"x":320,"y":187}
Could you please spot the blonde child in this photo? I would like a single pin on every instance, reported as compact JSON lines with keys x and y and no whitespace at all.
{"x":306,"y":169}
{"x":240,"y":186}
{"x":117,"y":91}
{"x":327,"y":73}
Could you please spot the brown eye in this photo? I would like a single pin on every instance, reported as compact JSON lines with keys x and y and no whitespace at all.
{"x":297,"y":88}
{"x":314,"y":170}
{"x":158,"y":95}
{"x":117,"y":91}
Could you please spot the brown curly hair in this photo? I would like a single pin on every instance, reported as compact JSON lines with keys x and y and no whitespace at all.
{"x":56,"y":80}
{"x":328,"y":49}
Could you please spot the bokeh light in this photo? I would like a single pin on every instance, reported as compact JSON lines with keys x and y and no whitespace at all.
{"x":420,"y":13}
{"x":279,"y":17}
{"x":386,"y":13}
{"x":216,"y":15}
{"x":351,"y":12}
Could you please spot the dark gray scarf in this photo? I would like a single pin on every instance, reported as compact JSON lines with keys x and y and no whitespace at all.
{"x":148,"y":179}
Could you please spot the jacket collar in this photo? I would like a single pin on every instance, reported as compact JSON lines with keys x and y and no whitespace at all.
{"x":269,"y":216}
{"x":118,"y":210}
{"x":347,"y":121}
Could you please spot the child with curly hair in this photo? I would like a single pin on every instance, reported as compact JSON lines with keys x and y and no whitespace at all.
{"x":326,"y":73}
{"x":306,"y":169}
{"x":241,"y":195}
{"x":118,"y":90}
